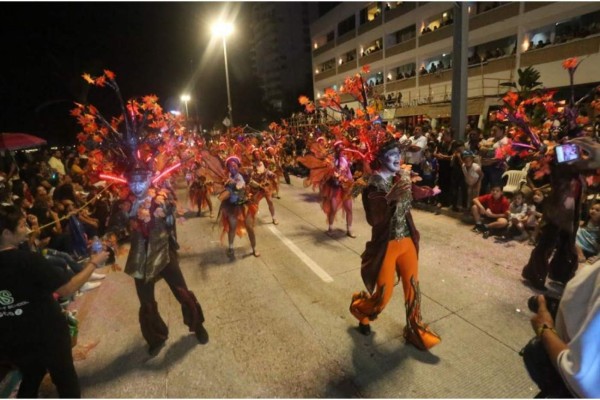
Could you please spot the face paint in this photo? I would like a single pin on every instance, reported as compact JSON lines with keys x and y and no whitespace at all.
{"x":139,"y":183}
{"x":391,"y":160}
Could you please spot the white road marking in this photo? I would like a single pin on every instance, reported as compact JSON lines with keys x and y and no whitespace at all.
{"x":302,"y":256}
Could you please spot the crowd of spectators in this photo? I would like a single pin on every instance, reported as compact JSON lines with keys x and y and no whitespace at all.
{"x":472,"y":181}
{"x":567,"y":34}
{"x":64,"y":212}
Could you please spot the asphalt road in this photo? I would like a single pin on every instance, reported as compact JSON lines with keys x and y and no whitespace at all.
{"x":279,"y":324}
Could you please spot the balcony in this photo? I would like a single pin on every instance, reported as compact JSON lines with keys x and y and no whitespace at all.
{"x":324,"y":75}
{"x":347,"y":66}
{"x":406,"y":83}
{"x":371,"y":58}
{"x":531,"y":5}
{"x":494,"y":15}
{"x":328,"y":46}
{"x":439,"y":34}
{"x":506,"y":63}
{"x":399,"y":48}
{"x":436,"y":77}
{"x":560,"y":52}
{"x":366,"y":27}
{"x":345,"y":37}
{"x":399,"y":11}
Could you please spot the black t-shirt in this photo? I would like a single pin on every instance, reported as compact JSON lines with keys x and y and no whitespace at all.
{"x":28,"y":312}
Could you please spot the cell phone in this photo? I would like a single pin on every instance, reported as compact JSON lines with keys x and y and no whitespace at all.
{"x":567,"y":152}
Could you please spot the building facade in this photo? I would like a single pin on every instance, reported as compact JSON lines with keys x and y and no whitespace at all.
{"x":408,"y":46}
{"x":280,"y":54}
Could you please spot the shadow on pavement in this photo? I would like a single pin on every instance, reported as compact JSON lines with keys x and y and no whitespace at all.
{"x":372,"y":365}
{"x":137,"y":359}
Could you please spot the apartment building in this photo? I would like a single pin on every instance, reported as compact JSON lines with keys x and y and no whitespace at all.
{"x":280,"y":53}
{"x":408,"y":46}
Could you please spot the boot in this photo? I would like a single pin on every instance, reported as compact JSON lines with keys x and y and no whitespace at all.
{"x":415,"y":332}
{"x":154,"y":329}
{"x":193,"y":316}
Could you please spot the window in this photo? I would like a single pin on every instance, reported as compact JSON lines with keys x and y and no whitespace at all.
{"x":402,"y":35}
{"x":330,"y":36}
{"x":347,"y":25}
{"x":370,"y":12}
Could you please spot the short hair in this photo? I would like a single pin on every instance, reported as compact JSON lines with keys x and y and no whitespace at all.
{"x":9,"y":218}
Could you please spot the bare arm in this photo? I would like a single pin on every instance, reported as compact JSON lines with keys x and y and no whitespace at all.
{"x":82,"y":277}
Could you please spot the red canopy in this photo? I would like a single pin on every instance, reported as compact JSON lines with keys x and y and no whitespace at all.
{"x":18,"y":141}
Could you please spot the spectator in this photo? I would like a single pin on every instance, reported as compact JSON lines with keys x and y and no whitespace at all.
{"x":587,"y":240}
{"x":493,"y":168}
{"x":564,"y":357}
{"x":490,"y":211}
{"x":56,"y":163}
{"x":443,"y":152}
{"x":414,"y":152}
{"x":37,"y":340}
{"x":459,"y":185}
{"x":518,"y":218}
{"x":473,"y":175}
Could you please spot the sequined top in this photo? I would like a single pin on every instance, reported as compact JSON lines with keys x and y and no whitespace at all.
{"x":398,"y":226}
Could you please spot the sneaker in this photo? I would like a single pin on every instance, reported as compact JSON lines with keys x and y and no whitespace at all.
{"x":97,"y":277}
{"x":479,"y":228}
{"x":89,"y":286}
{"x":486,"y":234}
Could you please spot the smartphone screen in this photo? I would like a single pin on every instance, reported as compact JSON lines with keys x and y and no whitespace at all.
{"x":567,"y":152}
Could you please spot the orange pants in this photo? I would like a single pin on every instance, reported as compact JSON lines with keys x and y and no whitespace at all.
{"x":401,"y":260}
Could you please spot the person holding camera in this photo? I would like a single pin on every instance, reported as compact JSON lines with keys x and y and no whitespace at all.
{"x":564,"y":357}
{"x":561,"y":219}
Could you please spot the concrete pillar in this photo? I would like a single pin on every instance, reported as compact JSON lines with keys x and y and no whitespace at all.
{"x":459,"y":69}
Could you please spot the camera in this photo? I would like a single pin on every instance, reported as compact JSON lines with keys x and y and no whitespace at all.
{"x":567,"y":152}
{"x":551,"y":304}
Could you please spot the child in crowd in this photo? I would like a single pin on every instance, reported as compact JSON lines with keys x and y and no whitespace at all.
{"x":534,"y":216}
{"x":429,"y":168}
{"x":518,"y":218}
{"x":473,"y":175}
{"x":588,"y":237}
{"x":490,"y":211}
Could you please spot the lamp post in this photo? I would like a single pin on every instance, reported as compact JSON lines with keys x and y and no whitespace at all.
{"x":185,"y":98}
{"x":223,"y":29}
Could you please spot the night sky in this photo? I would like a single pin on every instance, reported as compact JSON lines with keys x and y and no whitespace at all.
{"x":154,"y":48}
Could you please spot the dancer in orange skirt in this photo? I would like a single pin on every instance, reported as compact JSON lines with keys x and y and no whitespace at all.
{"x":237,"y":211}
{"x":393,"y":248}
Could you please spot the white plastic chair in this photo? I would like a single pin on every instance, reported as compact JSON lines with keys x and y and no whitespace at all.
{"x":516,"y":178}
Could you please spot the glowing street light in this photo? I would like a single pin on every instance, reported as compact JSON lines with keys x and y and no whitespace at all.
{"x":185,"y":98}
{"x":224,"y":29}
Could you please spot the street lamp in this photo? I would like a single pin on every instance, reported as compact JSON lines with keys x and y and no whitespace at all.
{"x":223,"y":29}
{"x":185,"y":98}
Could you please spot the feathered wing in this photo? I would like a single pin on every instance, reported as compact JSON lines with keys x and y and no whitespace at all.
{"x":213,"y":169}
{"x":320,"y":169}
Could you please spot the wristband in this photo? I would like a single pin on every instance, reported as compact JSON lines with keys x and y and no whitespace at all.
{"x":540,"y":331}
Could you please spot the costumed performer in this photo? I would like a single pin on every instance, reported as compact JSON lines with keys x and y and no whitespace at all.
{"x":393,"y":247}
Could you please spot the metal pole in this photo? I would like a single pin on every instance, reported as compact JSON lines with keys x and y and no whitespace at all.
{"x":459,"y":69}
{"x":229,"y":108}
{"x":187,"y":114}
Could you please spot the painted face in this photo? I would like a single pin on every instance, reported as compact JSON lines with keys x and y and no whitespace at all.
{"x":232,"y":167}
{"x":391,"y":160}
{"x":139,"y":186}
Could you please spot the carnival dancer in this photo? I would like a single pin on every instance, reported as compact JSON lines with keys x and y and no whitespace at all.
{"x":333,"y":176}
{"x":237,"y":212}
{"x":153,"y":252}
{"x":201,"y":190}
{"x":262,"y":184}
{"x":393,"y":247}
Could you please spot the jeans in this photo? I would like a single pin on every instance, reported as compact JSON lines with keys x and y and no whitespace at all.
{"x":60,"y":258}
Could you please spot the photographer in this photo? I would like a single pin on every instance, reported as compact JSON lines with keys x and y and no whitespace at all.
{"x":564,"y":359}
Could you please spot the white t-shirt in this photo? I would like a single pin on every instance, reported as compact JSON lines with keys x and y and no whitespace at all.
{"x":415,"y":157}
{"x":472,"y":174}
{"x":578,"y":324}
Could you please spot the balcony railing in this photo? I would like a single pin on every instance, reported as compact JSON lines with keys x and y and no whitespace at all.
{"x":436,"y":77}
{"x":438,"y":34}
{"x":559,"y":52}
{"x":402,"y":47}
{"x":371,"y":58}
{"x":506,"y":63}
{"x":406,"y":83}
{"x":366,"y":27}
{"x":402,"y":9}
{"x":347,"y":66}
{"x":534,"y":5}
{"x":494,"y":15}
{"x":325,"y":74}
{"x":328,"y":46}
{"x":345,"y":37}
